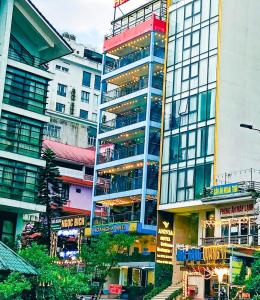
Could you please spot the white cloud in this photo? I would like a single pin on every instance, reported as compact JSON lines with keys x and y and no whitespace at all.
{"x":89,"y":20}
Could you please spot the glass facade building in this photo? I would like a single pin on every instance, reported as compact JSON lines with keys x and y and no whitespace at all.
{"x":189,"y":117}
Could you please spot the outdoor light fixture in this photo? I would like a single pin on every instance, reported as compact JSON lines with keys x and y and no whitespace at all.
{"x":248,"y":126}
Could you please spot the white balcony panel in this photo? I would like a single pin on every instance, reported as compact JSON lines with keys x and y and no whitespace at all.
{"x":71,"y":173}
{"x":118,"y":195}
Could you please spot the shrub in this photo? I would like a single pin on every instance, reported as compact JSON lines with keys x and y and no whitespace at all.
{"x":175,"y":294}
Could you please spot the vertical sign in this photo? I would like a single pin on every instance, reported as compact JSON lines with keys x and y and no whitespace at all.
{"x":164,"y":249}
{"x":119,"y":2}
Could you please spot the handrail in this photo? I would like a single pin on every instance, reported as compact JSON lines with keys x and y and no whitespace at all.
{"x":249,"y":239}
{"x":123,"y":217}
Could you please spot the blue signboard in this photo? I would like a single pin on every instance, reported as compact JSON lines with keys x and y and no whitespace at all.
{"x":114,"y":228}
{"x":225,"y":189}
{"x":193,"y":254}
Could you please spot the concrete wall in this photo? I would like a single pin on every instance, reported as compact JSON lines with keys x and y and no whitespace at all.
{"x":239,"y":148}
{"x":80,"y":200}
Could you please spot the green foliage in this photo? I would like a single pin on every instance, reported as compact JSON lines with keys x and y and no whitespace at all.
{"x":155,"y":291}
{"x":253,"y":284}
{"x":175,"y":294}
{"x":163,"y":274}
{"x":54,"y":280}
{"x":14,"y":286}
{"x":102,"y":254}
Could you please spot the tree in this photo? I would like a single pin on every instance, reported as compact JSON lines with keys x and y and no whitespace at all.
{"x":103,"y":253}
{"x":14,"y":286}
{"x":54,"y":281}
{"x":49,"y":194}
{"x":253,"y":283}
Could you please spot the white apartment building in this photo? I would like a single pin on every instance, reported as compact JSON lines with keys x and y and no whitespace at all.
{"x":73,"y":96}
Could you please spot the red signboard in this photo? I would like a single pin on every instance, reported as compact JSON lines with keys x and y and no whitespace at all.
{"x":119,"y":2}
{"x":115,"y":289}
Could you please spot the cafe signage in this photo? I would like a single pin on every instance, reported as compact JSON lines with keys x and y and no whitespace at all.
{"x":225,"y":189}
{"x":119,"y":2}
{"x":164,"y":249}
{"x":115,"y":228}
{"x":212,"y":253}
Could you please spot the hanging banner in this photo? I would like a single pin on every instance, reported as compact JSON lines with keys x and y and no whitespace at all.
{"x":119,"y":2}
{"x":164,"y":249}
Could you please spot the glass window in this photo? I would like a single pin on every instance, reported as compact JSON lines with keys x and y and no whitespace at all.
{"x":86,"y":80}
{"x":213,"y":41}
{"x":203,"y":78}
{"x":167,"y":116}
{"x":177,"y":81}
{"x":174,"y":151}
{"x":196,"y":7}
{"x":202,"y":106}
{"x":171,"y":52}
{"x":94,"y":117}
{"x":195,"y":38}
{"x":172,"y":187}
{"x":183,"y":106}
{"x":194,"y":70}
{"x":212,"y":68}
{"x":61,"y":90}
{"x":169,"y":84}
{"x":186,"y":73}
{"x":83,"y":114}
{"x":164,"y":188}
{"x":172,"y":23}
{"x":85,"y":96}
{"x":179,"y":50}
{"x":97,"y":82}
{"x":188,"y":11}
{"x":60,"y":107}
{"x":187,"y":41}
{"x":205,"y":10}
{"x":166,"y":145}
{"x":210,"y":144}
{"x":180,"y":19}
{"x":214,"y":8}
{"x":95,"y":99}
{"x":204,"y":44}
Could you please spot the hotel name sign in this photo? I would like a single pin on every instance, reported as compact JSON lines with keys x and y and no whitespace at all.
{"x":164,"y":249}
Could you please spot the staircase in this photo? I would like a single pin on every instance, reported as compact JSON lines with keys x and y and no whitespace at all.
{"x":167,"y":292}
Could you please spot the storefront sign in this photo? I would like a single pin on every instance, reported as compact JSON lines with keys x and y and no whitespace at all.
{"x":115,"y":228}
{"x":119,"y":2}
{"x":164,"y":248}
{"x":225,"y":189}
{"x":236,"y":264}
{"x":115,"y":289}
{"x":192,"y":254}
{"x":211,"y":253}
{"x":69,"y":222}
{"x":237,"y":210}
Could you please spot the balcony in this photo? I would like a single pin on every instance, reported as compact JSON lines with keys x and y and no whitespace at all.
{"x":117,"y":218}
{"x":118,"y":184}
{"x":18,"y":53}
{"x":122,"y":121}
{"x":133,"y":57}
{"x":157,"y":83}
{"x":137,"y":257}
{"x":129,"y":151}
{"x":247,"y":240}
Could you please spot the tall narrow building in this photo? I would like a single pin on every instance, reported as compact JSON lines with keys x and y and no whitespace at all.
{"x":209,"y":165}
{"x":27,"y":43}
{"x":129,"y":124}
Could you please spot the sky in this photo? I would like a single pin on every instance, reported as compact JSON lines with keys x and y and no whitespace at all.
{"x":89,"y":20}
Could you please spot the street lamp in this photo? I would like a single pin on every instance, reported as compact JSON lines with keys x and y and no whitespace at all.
{"x":248,"y":126}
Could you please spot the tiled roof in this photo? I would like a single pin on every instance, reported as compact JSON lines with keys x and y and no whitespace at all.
{"x":72,"y":153}
{"x":11,"y":261}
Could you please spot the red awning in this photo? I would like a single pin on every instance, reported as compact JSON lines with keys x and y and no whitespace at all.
{"x":77,"y":181}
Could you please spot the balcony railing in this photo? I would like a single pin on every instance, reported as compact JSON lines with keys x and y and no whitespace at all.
{"x":132,"y":88}
{"x":133,"y":57}
{"x":117,"y":218}
{"x":250,"y":240}
{"x":129,"y":151}
{"x":122,"y":121}
{"x":27,"y":58}
{"x":137,"y":257}
{"x":119,"y":184}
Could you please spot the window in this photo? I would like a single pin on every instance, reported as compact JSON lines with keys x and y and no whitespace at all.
{"x":58,"y":67}
{"x":83,"y":114}
{"x":94,"y":117}
{"x":85,"y":96}
{"x":91,"y":140}
{"x":60,"y":107}
{"x":86,"y":79}
{"x":78,"y":191}
{"x":64,"y":69}
{"x":62,"y":90}
{"x":95,"y":99}
{"x":97,"y":82}
{"x":52,"y":130}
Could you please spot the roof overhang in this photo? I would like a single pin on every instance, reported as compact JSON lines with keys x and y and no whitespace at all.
{"x":39,"y":31}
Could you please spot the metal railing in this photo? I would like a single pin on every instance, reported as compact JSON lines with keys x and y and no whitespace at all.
{"x":116,"y":218}
{"x":128,"y":151}
{"x":137,"y":257}
{"x":133,"y":57}
{"x":131,"y":88}
{"x":122,"y":121}
{"x":250,"y":240}
{"x":27,"y":59}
